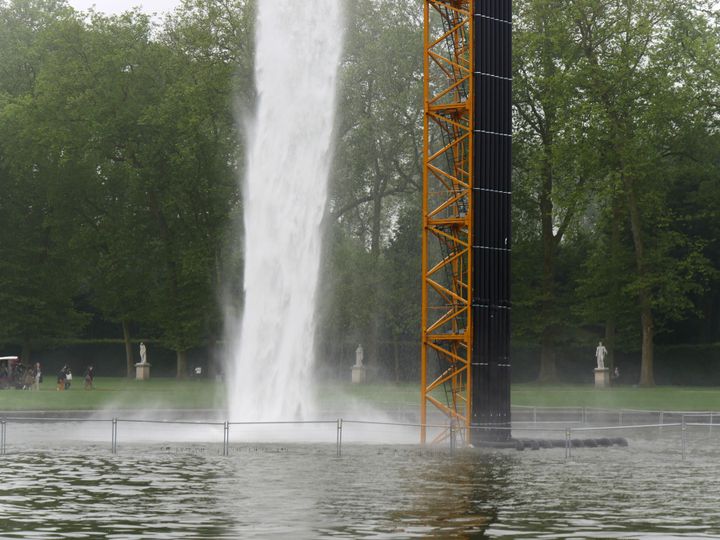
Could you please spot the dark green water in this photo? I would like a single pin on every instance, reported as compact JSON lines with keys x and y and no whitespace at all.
{"x":173,"y":491}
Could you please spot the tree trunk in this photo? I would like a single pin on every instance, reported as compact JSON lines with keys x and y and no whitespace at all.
{"x":129,"y":360}
{"x":611,"y":320}
{"x":397,"y":361}
{"x":181,"y":364}
{"x":609,"y":342}
{"x":647,"y":376}
{"x":646,"y":316}
{"x":372,"y":348}
{"x":548,"y":369}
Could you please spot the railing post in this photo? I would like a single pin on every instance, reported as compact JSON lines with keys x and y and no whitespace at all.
{"x":683,"y":436}
{"x":226,"y":438}
{"x":620,"y":417}
{"x":711,"y":422}
{"x":567,"y":442}
{"x":3,"y":434}
{"x":113,"y":444}
{"x":339,"y":437}
{"x":534,"y":415}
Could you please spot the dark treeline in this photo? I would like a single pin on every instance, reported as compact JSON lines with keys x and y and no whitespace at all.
{"x":120,"y":154}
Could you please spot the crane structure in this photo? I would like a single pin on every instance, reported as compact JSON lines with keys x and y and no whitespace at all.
{"x":465,"y":357}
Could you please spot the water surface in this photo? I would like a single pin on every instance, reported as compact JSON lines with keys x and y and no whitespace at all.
{"x":80,"y":490}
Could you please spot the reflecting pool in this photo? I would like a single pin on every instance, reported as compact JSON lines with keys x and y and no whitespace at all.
{"x":68,"y":489}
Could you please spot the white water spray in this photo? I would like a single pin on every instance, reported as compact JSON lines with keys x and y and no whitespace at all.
{"x":298,"y":45}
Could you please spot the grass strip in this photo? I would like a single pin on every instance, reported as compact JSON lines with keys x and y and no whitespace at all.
{"x":167,"y":393}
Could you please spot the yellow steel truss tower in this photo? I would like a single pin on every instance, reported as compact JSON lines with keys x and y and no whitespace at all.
{"x":447,"y":215}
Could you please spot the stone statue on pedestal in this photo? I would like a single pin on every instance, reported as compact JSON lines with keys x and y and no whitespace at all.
{"x":358,"y":370}
{"x":600,"y":353}
{"x":143,"y":353}
{"x":359,"y":356}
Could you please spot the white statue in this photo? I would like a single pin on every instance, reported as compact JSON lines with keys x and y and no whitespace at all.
{"x":600,"y":353}
{"x":359,"y":356}
{"x":143,"y":353}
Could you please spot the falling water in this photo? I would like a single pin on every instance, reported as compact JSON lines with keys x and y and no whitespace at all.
{"x":298,"y":45}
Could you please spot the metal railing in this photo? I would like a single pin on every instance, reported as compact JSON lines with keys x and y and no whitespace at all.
{"x":566,"y":428}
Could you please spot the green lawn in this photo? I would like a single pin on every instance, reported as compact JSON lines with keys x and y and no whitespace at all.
{"x":159,"y":393}
{"x":660,"y":398}
{"x":383,"y":395}
{"x":666,"y":398}
{"x":116,"y":393}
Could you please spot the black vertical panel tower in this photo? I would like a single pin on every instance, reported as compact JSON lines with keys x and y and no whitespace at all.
{"x":491,"y":222}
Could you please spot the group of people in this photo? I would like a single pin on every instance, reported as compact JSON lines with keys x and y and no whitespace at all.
{"x":15,"y":374}
{"x":65,"y":377}
{"x":18,"y":375}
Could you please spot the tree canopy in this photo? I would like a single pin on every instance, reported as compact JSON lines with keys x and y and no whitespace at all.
{"x":120,"y":155}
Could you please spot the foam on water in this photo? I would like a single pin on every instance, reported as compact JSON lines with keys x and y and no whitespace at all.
{"x":298,"y":47}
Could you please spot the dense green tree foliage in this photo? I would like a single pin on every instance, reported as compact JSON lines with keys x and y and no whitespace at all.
{"x":128,"y":133}
{"x":619,"y":122}
{"x":120,"y":155}
{"x":377,"y":167}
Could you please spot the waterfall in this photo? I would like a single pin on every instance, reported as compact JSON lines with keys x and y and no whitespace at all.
{"x":271,"y":349}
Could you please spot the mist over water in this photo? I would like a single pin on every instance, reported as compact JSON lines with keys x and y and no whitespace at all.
{"x":298,"y":46}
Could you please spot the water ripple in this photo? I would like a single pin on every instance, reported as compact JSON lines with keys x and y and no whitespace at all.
{"x":304,"y":491}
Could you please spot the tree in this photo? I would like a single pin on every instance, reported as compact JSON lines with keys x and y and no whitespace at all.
{"x":137,"y":139}
{"x":193,"y":188}
{"x":378,"y":152}
{"x":642,"y":110}
{"x":554,"y":169}
{"x":39,"y":269}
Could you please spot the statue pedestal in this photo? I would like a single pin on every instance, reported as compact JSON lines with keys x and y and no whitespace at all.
{"x":142,"y":371}
{"x":358,"y":374}
{"x":602,"y":378}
